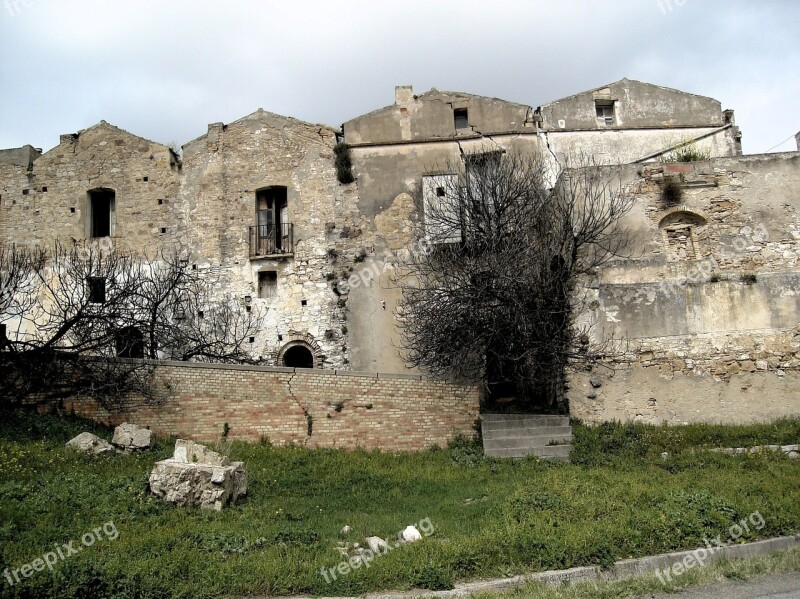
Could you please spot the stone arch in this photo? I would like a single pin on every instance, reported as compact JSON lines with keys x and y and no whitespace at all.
{"x":680,"y":230}
{"x":299,"y":349}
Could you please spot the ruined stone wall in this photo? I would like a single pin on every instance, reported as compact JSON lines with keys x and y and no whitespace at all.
{"x":49,"y":202}
{"x":314,"y":408}
{"x":222,"y":173}
{"x":709,"y":334}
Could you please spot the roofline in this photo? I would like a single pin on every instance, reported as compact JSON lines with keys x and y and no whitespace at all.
{"x":266,"y":112}
{"x":434,"y":90}
{"x":591,"y":89}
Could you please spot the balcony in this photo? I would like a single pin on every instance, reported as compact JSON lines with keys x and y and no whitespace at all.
{"x":271,"y":240}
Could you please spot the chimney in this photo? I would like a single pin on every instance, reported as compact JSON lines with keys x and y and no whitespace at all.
{"x":797,"y":140}
{"x":215,"y":131}
{"x":403,"y":94}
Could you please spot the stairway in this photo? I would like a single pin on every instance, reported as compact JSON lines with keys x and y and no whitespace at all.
{"x":518,"y":435}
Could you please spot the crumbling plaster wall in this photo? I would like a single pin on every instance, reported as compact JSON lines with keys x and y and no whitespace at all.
{"x":222,"y":172}
{"x":389,"y":183}
{"x":429,"y":116}
{"x":623,"y":146}
{"x":648,"y":119}
{"x":716,"y":337}
{"x":636,"y":105}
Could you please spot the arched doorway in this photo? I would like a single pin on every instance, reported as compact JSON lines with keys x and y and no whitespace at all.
{"x":298,"y":356}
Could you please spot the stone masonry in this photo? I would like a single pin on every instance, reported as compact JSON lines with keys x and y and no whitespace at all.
{"x":705,"y":307}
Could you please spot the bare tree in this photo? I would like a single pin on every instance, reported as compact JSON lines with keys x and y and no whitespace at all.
{"x":179,"y":319}
{"x":69,"y":313}
{"x":496,"y":296}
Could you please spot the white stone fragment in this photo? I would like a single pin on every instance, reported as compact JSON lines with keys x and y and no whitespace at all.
{"x":410,"y":534}
{"x":90,"y":443}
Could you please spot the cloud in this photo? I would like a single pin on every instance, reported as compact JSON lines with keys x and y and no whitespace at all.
{"x":164,"y":70}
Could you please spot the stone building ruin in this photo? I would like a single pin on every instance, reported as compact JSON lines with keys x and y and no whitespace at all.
{"x":710,"y":307}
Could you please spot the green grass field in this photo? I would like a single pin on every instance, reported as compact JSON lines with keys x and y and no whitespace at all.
{"x":491,"y":518}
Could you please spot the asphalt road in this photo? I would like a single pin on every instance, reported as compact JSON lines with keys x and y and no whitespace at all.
{"x":775,"y":586}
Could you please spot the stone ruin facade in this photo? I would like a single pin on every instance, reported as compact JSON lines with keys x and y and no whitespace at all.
{"x":259,"y":208}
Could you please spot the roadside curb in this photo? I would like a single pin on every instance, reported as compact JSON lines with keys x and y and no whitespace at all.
{"x":622,"y":569}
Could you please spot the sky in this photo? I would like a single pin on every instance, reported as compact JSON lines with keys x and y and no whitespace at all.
{"x":165,"y":69}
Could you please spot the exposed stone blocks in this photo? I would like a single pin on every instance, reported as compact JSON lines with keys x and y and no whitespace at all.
{"x":712,"y":336}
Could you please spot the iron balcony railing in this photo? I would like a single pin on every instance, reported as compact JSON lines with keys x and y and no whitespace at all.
{"x":271,"y":240}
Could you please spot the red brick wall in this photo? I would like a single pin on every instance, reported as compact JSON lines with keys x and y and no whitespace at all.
{"x":347,"y":409}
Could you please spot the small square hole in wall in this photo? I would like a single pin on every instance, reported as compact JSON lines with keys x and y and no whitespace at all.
{"x":201,"y":314}
{"x":25,"y":191}
{"x":44,"y":188}
{"x":252,"y":339}
{"x":145,"y":179}
{"x":440,"y":192}
{"x":249,"y":308}
{"x":303,"y":302}
{"x":280,"y":337}
{"x":163,"y":229}
{"x":160,"y":202}
{"x":194,"y":266}
{"x":72,"y":210}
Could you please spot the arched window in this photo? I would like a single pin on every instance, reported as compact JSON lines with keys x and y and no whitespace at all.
{"x":680,"y":232}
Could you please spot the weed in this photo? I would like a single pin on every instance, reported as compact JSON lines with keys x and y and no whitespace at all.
{"x":688,"y":151}
{"x":465,"y":451}
{"x":344,"y":164}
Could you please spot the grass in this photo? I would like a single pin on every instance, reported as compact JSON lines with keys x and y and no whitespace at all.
{"x":641,"y":586}
{"x":490,"y":518}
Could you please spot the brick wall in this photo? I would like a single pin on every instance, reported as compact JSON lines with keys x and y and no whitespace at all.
{"x":339,"y":409}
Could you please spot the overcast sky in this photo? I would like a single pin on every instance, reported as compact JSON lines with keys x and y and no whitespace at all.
{"x":165,"y":69}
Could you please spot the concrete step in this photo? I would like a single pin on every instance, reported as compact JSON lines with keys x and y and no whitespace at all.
{"x":518,"y":435}
{"x":523,"y":419}
{"x":537,"y":431}
{"x":526,"y":442}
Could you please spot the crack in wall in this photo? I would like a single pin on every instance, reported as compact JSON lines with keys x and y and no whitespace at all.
{"x":306,"y":413}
